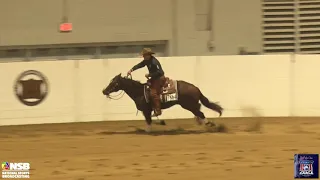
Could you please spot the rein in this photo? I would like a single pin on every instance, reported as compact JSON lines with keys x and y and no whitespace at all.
{"x":116,"y":97}
{"x":120,"y":95}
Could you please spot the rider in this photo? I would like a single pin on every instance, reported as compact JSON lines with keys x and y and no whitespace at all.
{"x":156,"y":75}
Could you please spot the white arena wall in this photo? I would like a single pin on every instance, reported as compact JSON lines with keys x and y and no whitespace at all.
{"x":264,"y":85}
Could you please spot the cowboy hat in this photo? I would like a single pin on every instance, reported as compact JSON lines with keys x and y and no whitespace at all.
{"x":146,"y":51}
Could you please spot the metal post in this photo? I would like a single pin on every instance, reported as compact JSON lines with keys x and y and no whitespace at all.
{"x":65,"y":11}
{"x":174,"y":41}
{"x":296,"y":25}
{"x":292,"y":79}
{"x":211,"y":24}
{"x":97,"y":53}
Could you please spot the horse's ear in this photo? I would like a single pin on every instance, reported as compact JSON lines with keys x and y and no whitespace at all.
{"x":119,"y":75}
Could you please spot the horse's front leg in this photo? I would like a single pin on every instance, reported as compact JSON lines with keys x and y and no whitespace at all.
{"x":147,"y":116}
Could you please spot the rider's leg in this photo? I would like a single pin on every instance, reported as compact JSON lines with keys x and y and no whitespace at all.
{"x":156,"y":102}
{"x":162,"y":82}
{"x":155,"y":94}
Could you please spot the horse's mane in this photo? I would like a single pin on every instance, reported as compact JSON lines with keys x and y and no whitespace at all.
{"x":133,"y":82}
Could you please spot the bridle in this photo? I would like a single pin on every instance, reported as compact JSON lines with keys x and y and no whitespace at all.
{"x":120,"y":95}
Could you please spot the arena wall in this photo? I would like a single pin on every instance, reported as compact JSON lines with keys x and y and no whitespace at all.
{"x":266,"y":85}
{"x":188,"y":26}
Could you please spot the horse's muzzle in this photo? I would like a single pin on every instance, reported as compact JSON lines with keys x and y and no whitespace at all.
{"x":104,"y":92}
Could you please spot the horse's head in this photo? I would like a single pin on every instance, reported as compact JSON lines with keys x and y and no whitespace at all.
{"x":114,"y":85}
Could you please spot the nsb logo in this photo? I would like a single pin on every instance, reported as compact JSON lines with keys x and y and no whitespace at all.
{"x":6,"y":166}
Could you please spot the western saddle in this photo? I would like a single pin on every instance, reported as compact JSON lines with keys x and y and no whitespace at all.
{"x":168,"y":89}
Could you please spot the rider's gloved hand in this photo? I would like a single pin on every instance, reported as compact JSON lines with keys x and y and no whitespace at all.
{"x":129,"y":72}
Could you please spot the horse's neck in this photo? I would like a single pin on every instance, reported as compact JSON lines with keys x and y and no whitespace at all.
{"x":133,"y":89}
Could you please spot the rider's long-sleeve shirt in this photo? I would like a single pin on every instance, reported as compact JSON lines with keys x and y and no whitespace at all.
{"x":154,"y":67}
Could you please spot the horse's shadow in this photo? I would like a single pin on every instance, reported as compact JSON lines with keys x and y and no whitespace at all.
{"x":177,"y":131}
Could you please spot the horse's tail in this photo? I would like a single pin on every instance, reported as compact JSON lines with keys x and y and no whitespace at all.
{"x":216,"y":107}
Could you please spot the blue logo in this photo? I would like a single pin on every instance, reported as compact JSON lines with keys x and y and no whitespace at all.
{"x":306,"y":166}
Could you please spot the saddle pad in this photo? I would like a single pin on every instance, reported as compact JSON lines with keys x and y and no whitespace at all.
{"x":167,"y":97}
{"x":168,"y":94}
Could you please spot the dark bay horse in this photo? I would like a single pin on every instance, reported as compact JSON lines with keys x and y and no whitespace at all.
{"x":188,"y":98}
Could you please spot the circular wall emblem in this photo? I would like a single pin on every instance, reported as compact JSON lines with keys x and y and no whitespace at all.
{"x":31,"y":88}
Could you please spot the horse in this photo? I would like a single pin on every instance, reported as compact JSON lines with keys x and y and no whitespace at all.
{"x":174,"y":92}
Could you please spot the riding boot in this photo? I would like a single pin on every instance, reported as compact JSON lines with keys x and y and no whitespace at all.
{"x":156,"y":105}
{"x":155,"y":93}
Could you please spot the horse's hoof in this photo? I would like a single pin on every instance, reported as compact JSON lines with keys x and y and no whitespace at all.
{"x":198,"y":120}
{"x":148,"y":129}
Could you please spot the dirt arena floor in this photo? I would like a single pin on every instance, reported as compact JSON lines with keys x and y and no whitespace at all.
{"x":248,"y":148}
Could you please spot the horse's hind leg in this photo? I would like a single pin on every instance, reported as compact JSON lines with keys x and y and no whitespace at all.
{"x":195,"y":109}
{"x":200,"y":117}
